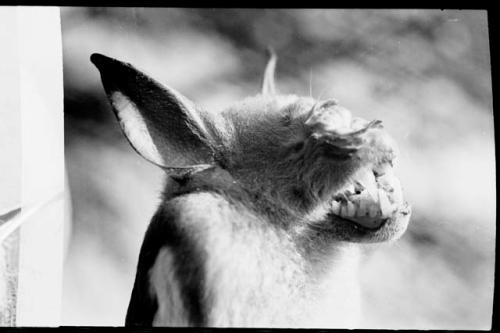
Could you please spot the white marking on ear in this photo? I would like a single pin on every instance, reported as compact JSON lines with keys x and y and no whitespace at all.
{"x":268,"y":85}
{"x":135,"y":129}
{"x":166,"y":289}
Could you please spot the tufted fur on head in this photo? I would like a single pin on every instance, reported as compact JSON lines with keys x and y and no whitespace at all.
{"x":265,"y":203}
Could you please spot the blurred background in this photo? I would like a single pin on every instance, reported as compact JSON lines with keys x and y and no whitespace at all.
{"x":425,"y":73}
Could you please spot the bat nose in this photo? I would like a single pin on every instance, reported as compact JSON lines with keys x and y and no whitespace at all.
{"x":382,"y":146}
{"x":335,"y":126}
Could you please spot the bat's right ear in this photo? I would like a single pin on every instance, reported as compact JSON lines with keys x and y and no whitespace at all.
{"x":161,"y":125}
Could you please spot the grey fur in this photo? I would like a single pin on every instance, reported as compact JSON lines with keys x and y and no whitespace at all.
{"x":255,"y":178}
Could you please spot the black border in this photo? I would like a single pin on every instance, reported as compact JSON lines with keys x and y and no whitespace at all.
{"x":494,"y":54}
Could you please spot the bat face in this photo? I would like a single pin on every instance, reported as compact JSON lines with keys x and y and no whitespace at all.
{"x":316,"y":160}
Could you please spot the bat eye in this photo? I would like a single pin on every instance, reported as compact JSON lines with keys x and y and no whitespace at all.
{"x":298,"y":147}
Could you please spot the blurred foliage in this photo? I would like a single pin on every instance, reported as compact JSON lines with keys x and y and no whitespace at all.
{"x":425,"y":73}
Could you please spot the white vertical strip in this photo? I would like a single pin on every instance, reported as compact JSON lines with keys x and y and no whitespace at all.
{"x":10,"y":161}
{"x":41,"y":104}
{"x":10,"y":118}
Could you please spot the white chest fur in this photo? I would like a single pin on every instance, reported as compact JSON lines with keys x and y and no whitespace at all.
{"x":255,"y":277}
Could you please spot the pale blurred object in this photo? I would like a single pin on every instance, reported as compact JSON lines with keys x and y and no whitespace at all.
{"x":32,"y":167}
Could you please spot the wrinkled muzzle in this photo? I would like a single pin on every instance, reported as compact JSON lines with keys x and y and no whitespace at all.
{"x":372,"y":195}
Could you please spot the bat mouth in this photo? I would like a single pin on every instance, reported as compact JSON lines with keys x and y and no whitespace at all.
{"x":371,"y":200}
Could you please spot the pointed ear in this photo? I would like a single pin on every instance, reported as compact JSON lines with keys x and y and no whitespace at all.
{"x":161,"y":125}
{"x":268,"y":86}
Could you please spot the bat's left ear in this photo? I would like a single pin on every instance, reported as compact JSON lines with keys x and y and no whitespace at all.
{"x":162,"y":125}
{"x":268,"y":85}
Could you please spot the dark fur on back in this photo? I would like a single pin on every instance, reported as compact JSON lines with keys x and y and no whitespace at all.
{"x":164,"y":231}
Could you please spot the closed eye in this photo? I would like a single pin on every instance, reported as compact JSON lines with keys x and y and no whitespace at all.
{"x":298,"y":147}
